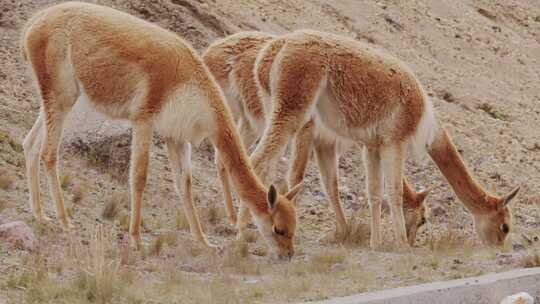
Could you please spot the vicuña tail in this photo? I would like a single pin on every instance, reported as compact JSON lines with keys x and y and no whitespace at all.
{"x":426,"y":131}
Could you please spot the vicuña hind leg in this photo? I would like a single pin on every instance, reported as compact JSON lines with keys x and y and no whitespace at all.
{"x":226,"y":187}
{"x":49,"y":155}
{"x":326,"y":156}
{"x":59,"y":91}
{"x":138,"y":170}
{"x":32,"y":146}
{"x":180,"y":159}
{"x":374,"y":186}
{"x":393,"y":161}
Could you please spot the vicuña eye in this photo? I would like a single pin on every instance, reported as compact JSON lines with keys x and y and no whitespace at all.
{"x":279,"y":232}
{"x":505,"y":229}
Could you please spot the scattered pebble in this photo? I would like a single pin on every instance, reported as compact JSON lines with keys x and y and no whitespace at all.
{"x":506,"y":258}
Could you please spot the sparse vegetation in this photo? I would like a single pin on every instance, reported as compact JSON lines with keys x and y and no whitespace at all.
{"x":175,"y":268}
{"x":250,"y":236}
{"x":214,"y":215}
{"x":10,"y":151}
{"x":237,"y":259}
{"x":114,"y":203}
{"x":3,"y":205}
{"x":448,"y":97}
{"x":358,"y":234}
{"x":493,"y":112}
{"x":156,"y":246}
{"x":531,"y":260}
{"x":123,"y":221}
{"x":322,"y":261}
{"x":65,"y":181}
{"x":181,"y":220}
{"x":6,"y":179}
{"x":79,"y":193}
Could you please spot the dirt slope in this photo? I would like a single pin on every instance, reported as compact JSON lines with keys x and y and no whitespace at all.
{"x":478,"y":60}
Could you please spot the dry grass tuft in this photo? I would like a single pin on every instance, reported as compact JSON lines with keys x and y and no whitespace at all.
{"x":156,"y":246}
{"x":34,"y":270}
{"x":6,"y":179}
{"x":358,"y":234}
{"x":107,"y":154}
{"x":113,"y":205}
{"x":123,"y":221}
{"x":531,"y":260}
{"x":95,"y":276}
{"x":169,"y":238}
{"x":447,"y":240}
{"x":79,"y":193}
{"x":3,"y":205}
{"x":65,"y":181}
{"x":182,"y":222}
{"x":98,"y":279}
{"x":493,"y":112}
{"x":323,"y":261}
{"x":250,"y":236}
{"x":237,"y":259}
{"x":214,"y":214}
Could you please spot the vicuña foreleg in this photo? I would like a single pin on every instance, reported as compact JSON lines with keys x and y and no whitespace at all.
{"x":180,"y":159}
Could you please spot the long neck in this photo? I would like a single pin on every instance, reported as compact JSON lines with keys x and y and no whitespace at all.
{"x":235,"y":159}
{"x":409,"y":196}
{"x":447,"y":158}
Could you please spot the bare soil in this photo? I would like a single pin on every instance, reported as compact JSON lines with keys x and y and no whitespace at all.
{"x":478,"y":60}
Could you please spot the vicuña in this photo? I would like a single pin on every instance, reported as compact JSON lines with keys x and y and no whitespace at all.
{"x":131,"y":69}
{"x":232,"y":60}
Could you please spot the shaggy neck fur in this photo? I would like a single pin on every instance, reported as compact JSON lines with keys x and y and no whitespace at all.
{"x":235,"y":159}
{"x":447,"y":158}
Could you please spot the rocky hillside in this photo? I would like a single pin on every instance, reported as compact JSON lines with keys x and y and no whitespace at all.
{"x":479,"y":61}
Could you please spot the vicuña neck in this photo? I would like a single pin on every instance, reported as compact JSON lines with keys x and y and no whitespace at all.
{"x":235,"y":159}
{"x":447,"y":158}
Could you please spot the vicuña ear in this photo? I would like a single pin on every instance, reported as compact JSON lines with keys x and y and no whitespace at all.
{"x":272,"y":197}
{"x":294,"y":191}
{"x":421,"y":196}
{"x":509,"y":197}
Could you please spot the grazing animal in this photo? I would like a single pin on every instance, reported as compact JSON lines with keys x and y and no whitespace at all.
{"x":131,"y":69}
{"x":232,"y":61}
{"x":355,"y":92}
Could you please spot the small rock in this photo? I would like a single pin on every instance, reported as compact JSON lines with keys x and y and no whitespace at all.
{"x":438,"y":210}
{"x":17,"y":235}
{"x":339,"y":267}
{"x":506,"y":259}
{"x":519,"y":298}
{"x":518,"y":246}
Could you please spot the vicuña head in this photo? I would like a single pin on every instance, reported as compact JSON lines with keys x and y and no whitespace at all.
{"x":491,"y":215}
{"x":134,"y":70}
{"x":415,"y":210}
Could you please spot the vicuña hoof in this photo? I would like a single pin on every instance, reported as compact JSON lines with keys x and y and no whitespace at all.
{"x":136,"y":242}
